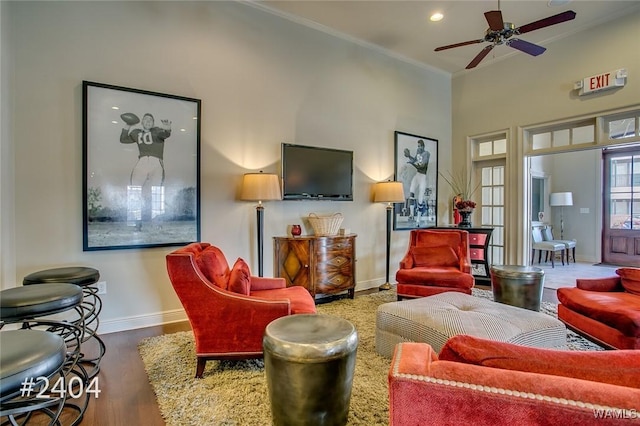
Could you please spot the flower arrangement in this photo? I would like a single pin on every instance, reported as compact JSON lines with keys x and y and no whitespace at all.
{"x":465,"y":205}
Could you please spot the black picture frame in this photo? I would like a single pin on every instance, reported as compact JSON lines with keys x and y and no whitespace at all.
{"x":141,"y":185}
{"x":418,"y":210}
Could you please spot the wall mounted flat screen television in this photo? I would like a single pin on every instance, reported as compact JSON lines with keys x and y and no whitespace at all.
{"x":314,"y":173}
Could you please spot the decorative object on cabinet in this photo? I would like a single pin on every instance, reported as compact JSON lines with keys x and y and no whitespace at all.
{"x":388,"y":192}
{"x":418,"y":173}
{"x":322,"y":265}
{"x":138,"y":208}
{"x":325,"y":225}
{"x":479,"y":251}
{"x":260,"y":187}
{"x":561,"y":199}
{"x":296,"y":230}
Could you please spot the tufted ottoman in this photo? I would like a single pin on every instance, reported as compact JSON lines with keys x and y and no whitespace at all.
{"x":434,"y":319}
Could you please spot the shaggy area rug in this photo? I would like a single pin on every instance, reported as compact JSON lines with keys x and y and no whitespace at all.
{"x":235,"y":392}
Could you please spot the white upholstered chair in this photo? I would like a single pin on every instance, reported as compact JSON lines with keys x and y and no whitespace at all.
{"x":549,"y":247}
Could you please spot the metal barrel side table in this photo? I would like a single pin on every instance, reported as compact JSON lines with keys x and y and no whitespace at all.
{"x":517,"y":285}
{"x":309,"y":362}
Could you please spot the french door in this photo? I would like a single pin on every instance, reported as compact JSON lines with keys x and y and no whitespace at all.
{"x":621,"y":205}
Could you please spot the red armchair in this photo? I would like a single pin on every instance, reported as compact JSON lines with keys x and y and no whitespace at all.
{"x":604,"y":310}
{"x":481,"y":382}
{"x":436,"y":261}
{"x":227,"y":307}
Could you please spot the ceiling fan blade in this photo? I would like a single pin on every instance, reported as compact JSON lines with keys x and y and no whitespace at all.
{"x":479,"y":57}
{"x":494,"y":19}
{"x":526,"y":47}
{"x":546,"y":22}
{"x":464,"y":43}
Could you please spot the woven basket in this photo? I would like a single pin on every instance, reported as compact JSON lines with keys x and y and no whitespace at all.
{"x":325,"y":225}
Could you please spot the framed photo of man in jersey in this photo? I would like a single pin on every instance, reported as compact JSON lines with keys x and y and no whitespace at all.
{"x":141,"y":167}
{"x":416,"y":166}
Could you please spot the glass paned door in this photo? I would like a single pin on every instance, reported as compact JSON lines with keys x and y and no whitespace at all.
{"x":492,"y":188}
{"x":621,"y":230}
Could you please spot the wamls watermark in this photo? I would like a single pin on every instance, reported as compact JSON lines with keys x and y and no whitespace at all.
{"x":616,"y":413}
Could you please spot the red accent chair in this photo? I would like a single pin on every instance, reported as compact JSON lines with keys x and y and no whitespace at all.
{"x":604,"y":310}
{"x":475,"y":381}
{"x":436,"y":261}
{"x":228,"y":308}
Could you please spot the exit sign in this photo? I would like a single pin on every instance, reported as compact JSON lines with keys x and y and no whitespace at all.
{"x":604,"y":81}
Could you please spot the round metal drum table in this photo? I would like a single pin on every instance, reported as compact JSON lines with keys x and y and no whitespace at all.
{"x":309,"y":362}
{"x":516,"y":285}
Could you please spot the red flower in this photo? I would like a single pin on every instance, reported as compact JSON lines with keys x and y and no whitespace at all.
{"x":465,"y":205}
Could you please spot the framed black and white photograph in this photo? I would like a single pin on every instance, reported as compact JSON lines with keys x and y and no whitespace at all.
{"x":416,"y":166}
{"x":141,"y":168}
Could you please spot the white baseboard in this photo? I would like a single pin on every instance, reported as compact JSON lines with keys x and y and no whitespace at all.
{"x":177,"y":315}
{"x":141,"y":321}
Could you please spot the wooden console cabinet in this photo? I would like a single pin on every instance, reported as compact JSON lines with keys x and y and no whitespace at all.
{"x":479,"y":250}
{"x":322,"y":265}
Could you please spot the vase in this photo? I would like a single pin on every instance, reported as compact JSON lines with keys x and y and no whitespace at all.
{"x":466,"y":218}
{"x":296,"y":230}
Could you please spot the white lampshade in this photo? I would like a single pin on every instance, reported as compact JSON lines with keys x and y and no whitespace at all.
{"x":561,"y":199}
{"x":260,"y":187}
{"x":388,"y":192}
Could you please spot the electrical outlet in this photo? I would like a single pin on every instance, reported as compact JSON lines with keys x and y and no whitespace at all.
{"x":102,"y":287}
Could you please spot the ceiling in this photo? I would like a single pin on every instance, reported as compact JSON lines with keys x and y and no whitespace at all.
{"x":402,"y":28}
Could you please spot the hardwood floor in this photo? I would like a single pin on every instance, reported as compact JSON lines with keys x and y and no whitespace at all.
{"x":126,"y":396}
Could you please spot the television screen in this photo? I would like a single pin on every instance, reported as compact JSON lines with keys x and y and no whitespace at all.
{"x":313,"y":173}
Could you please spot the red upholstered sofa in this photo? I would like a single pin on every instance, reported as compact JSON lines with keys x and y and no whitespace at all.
{"x":480,"y":382}
{"x":228,"y":308}
{"x":436,"y":261}
{"x":604,"y":310}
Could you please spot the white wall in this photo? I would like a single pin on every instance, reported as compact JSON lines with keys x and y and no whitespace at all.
{"x":523,"y":91}
{"x":262,"y":80}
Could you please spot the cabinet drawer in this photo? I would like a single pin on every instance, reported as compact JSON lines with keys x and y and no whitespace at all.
{"x":477,"y":239}
{"x":477,"y":254}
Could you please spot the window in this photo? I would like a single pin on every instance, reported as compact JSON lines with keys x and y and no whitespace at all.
{"x":562,"y":136}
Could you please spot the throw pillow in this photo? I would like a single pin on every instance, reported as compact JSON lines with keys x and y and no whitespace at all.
{"x":213,"y":265}
{"x":434,"y":256}
{"x":630,"y":279}
{"x":240,"y":277}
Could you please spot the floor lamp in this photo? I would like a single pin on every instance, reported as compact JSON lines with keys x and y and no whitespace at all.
{"x":561,"y":199}
{"x":388,"y":192}
{"x":260,"y":187}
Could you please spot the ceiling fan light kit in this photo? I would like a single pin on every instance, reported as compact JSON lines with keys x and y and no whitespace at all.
{"x":500,"y":32}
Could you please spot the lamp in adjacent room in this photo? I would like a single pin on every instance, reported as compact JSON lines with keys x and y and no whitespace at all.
{"x":388,"y":192}
{"x":260,"y":187}
{"x":561,"y":199}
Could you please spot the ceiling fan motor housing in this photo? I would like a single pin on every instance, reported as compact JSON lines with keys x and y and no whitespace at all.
{"x":498,"y":37}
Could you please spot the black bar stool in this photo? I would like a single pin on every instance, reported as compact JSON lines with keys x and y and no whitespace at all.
{"x":86,"y":278}
{"x":36,"y":358}
{"x":35,"y":307}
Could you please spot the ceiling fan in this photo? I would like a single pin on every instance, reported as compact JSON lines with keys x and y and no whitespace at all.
{"x":500,"y":32}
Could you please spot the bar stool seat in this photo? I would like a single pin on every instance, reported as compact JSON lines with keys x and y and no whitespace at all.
{"x":84,"y":277}
{"x":34,"y":306}
{"x":27,"y":302}
{"x":30,"y":355}
{"x":78,"y":275}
